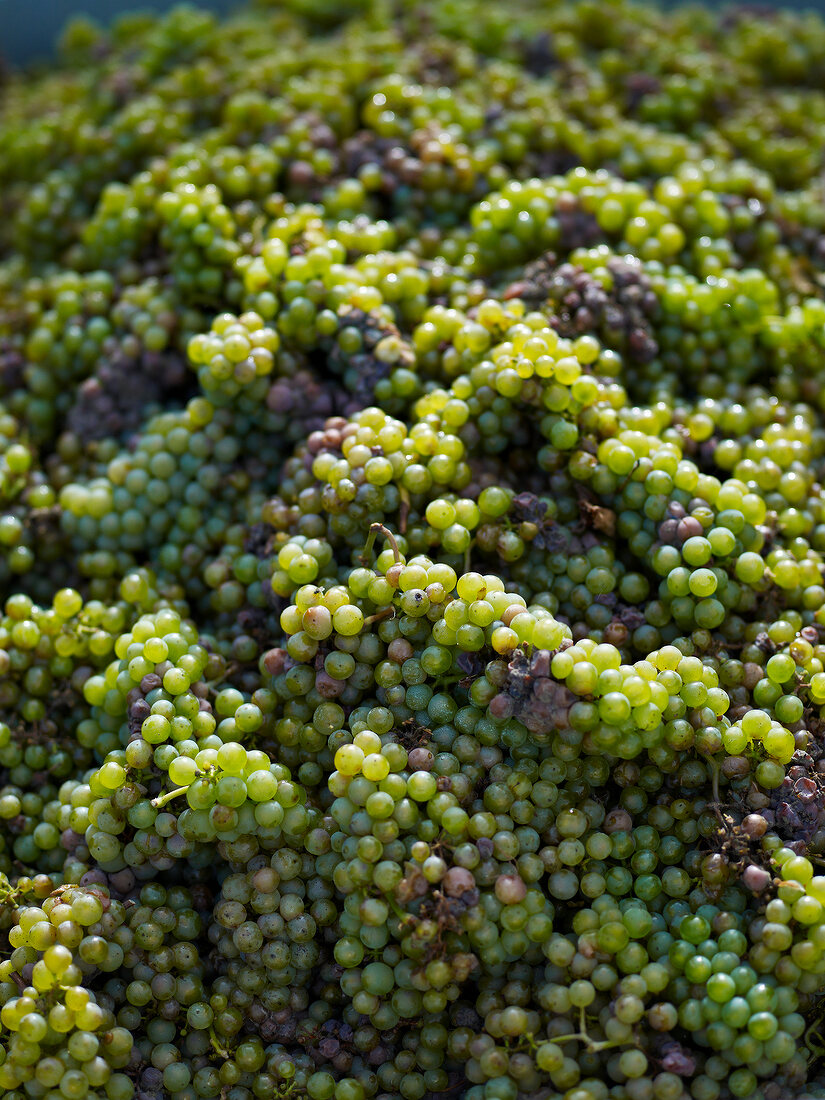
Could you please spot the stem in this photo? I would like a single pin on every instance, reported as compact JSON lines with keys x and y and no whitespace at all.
{"x":404,"y":510}
{"x":399,"y":912}
{"x":813,"y":1034}
{"x":230,"y":670}
{"x":162,"y":799}
{"x":633,"y":470}
{"x":368,"y":545}
{"x":216,"y":1044}
{"x":390,"y":537}
{"x":715,"y":783}
{"x":384,"y":613}
{"x":375,"y":529}
{"x":445,"y":681}
{"x":593,"y":1045}
{"x":577,"y":1035}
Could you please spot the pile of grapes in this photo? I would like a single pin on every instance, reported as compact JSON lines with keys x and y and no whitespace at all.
{"x":412,"y":555}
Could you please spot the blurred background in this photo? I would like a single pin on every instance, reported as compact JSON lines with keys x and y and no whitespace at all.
{"x":29,"y":28}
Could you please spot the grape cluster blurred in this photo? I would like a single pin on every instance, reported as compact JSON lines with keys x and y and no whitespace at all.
{"x":412,"y":555}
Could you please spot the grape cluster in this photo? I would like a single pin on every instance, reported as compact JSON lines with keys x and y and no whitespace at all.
{"x":412,"y":556}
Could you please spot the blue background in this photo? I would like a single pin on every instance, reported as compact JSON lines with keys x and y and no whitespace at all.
{"x":28,"y":28}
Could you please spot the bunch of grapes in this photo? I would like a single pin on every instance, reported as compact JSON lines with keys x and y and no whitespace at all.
{"x":412,"y":556}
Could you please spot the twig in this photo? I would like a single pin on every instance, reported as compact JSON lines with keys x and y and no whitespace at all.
{"x":376,"y":529}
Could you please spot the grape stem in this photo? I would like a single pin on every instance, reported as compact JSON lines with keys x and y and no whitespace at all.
{"x":162,"y":799}
{"x":813,"y":1036}
{"x":216,"y":1044}
{"x":714,"y":771}
{"x":376,"y":529}
{"x":231,"y":668}
{"x":593,"y":1045}
{"x":384,"y":613}
{"x":399,"y":912}
{"x":404,"y":510}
